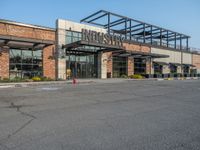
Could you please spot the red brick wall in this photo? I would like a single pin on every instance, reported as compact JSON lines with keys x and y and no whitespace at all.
{"x":138,"y":48}
{"x":26,"y":32}
{"x":130,"y":66}
{"x":196,"y":60}
{"x":4,"y":63}
{"x":49,"y":63}
{"x":31,"y":33}
{"x":134,"y":47}
{"x":109,"y":63}
{"x":148,"y":67}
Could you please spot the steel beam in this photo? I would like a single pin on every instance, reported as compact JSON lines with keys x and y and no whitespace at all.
{"x":97,"y":18}
{"x":130,"y":30}
{"x":84,"y":19}
{"x":114,"y":23}
{"x":108,"y":23}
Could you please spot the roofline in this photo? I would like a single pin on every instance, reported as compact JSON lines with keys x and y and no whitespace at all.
{"x":26,"y":25}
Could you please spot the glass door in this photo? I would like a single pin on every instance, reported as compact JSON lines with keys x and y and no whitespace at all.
{"x":82,"y":66}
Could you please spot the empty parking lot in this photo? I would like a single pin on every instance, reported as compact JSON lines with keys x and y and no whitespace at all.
{"x":107,"y":115}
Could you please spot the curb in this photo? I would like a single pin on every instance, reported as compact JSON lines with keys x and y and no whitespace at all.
{"x":30,"y":84}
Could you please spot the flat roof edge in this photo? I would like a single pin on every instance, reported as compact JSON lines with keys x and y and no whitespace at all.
{"x":26,"y":25}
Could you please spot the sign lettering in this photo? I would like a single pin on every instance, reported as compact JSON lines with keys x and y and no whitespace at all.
{"x":101,"y":38}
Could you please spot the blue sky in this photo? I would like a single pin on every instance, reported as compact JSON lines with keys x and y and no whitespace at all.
{"x":179,"y":15}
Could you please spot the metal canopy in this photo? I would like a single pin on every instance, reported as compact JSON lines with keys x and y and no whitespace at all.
{"x":188,"y":65}
{"x":137,"y":54}
{"x":100,"y":47}
{"x":175,"y":64}
{"x":23,"y":43}
{"x":139,"y":31}
{"x":160,"y":63}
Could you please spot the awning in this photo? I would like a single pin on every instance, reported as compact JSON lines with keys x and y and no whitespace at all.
{"x":99,"y":46}
{"x":137,"y":54}
{"x":188,"y":65}
{"x":23,"y":43}
{"x":175,"y":64}
{"x":160,"y":63}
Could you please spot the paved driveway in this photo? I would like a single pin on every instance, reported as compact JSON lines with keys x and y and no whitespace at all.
{"x":126,"y":115}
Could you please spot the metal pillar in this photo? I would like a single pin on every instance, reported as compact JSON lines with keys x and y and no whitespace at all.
{"x":144,"y":34}
{"x":187,"y":44}
{"x":180,"y":42}
{"x":151,"y":35}
{"x":160,"y":37}
{"x":167,"y":38}
{"x":21,"y":63}
{"x":130,"y":30}
{"x":126,"y":28}
{"x":181,"y":54}
{"x":175,"y":42}
{"x":108,"y":23}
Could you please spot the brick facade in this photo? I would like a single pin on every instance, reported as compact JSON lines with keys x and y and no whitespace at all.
{"x":4,"y":63}
{"x":109,"y":64}
{"x":130,"y":66}
{"x":196,"y":61}
{"x":148,"y":67}
{"x":137,"y":48}
{"x":49,"y":63}
{"x":26,"y":32}
{"x":33,"y":32}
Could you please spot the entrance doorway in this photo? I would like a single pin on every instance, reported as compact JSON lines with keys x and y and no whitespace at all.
{"x":82,"y":66}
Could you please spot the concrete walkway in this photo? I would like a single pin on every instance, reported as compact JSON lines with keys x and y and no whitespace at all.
{"x":79,"y":81}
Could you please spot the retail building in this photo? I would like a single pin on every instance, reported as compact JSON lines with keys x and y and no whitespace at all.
{"x":102,"y":45}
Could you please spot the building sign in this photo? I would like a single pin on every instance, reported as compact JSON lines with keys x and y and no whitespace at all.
{"x":101,"y":38}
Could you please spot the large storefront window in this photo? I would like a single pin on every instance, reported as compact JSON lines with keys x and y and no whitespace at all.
{"x":173,"y":68}
{"x":72,"y":36}
{"x":119,"y":66}
{"x":186,"y":69}
{"x":25,"y":63}
{"x":139,"y":66}
{"x":157,"y":68}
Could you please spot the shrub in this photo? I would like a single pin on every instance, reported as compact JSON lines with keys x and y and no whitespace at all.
{"x":46,"y":79}
{"x":4,"y":80}
{"x":60,"y":79}
{"x":16,"y":79}
{"x":136,"y":76}
{"x":36,"y":78}
{"x":124,"y":76}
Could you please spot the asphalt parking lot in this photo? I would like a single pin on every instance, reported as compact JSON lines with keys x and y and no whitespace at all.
{"x":123,"y":115}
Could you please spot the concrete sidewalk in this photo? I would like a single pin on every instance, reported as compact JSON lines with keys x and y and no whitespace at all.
{"x":81,"y":81}
{"x":78,"y":81}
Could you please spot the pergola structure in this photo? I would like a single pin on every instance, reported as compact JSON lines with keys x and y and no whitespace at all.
{"x":138,"y":31}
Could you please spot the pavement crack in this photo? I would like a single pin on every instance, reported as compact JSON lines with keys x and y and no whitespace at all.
{"x":32,"y":117}
{"x":4,"y":146}
{"x":18,"y":107}
{"x":19,"y":129}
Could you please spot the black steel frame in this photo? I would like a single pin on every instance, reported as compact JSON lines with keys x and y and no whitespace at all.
{"x":135,"y":30}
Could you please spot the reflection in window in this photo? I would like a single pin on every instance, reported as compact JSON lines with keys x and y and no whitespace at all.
{"x":157,"y":68}
{"x":119,"y":66}
{"x":139,"y":66}
{"x":25,"y":63}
